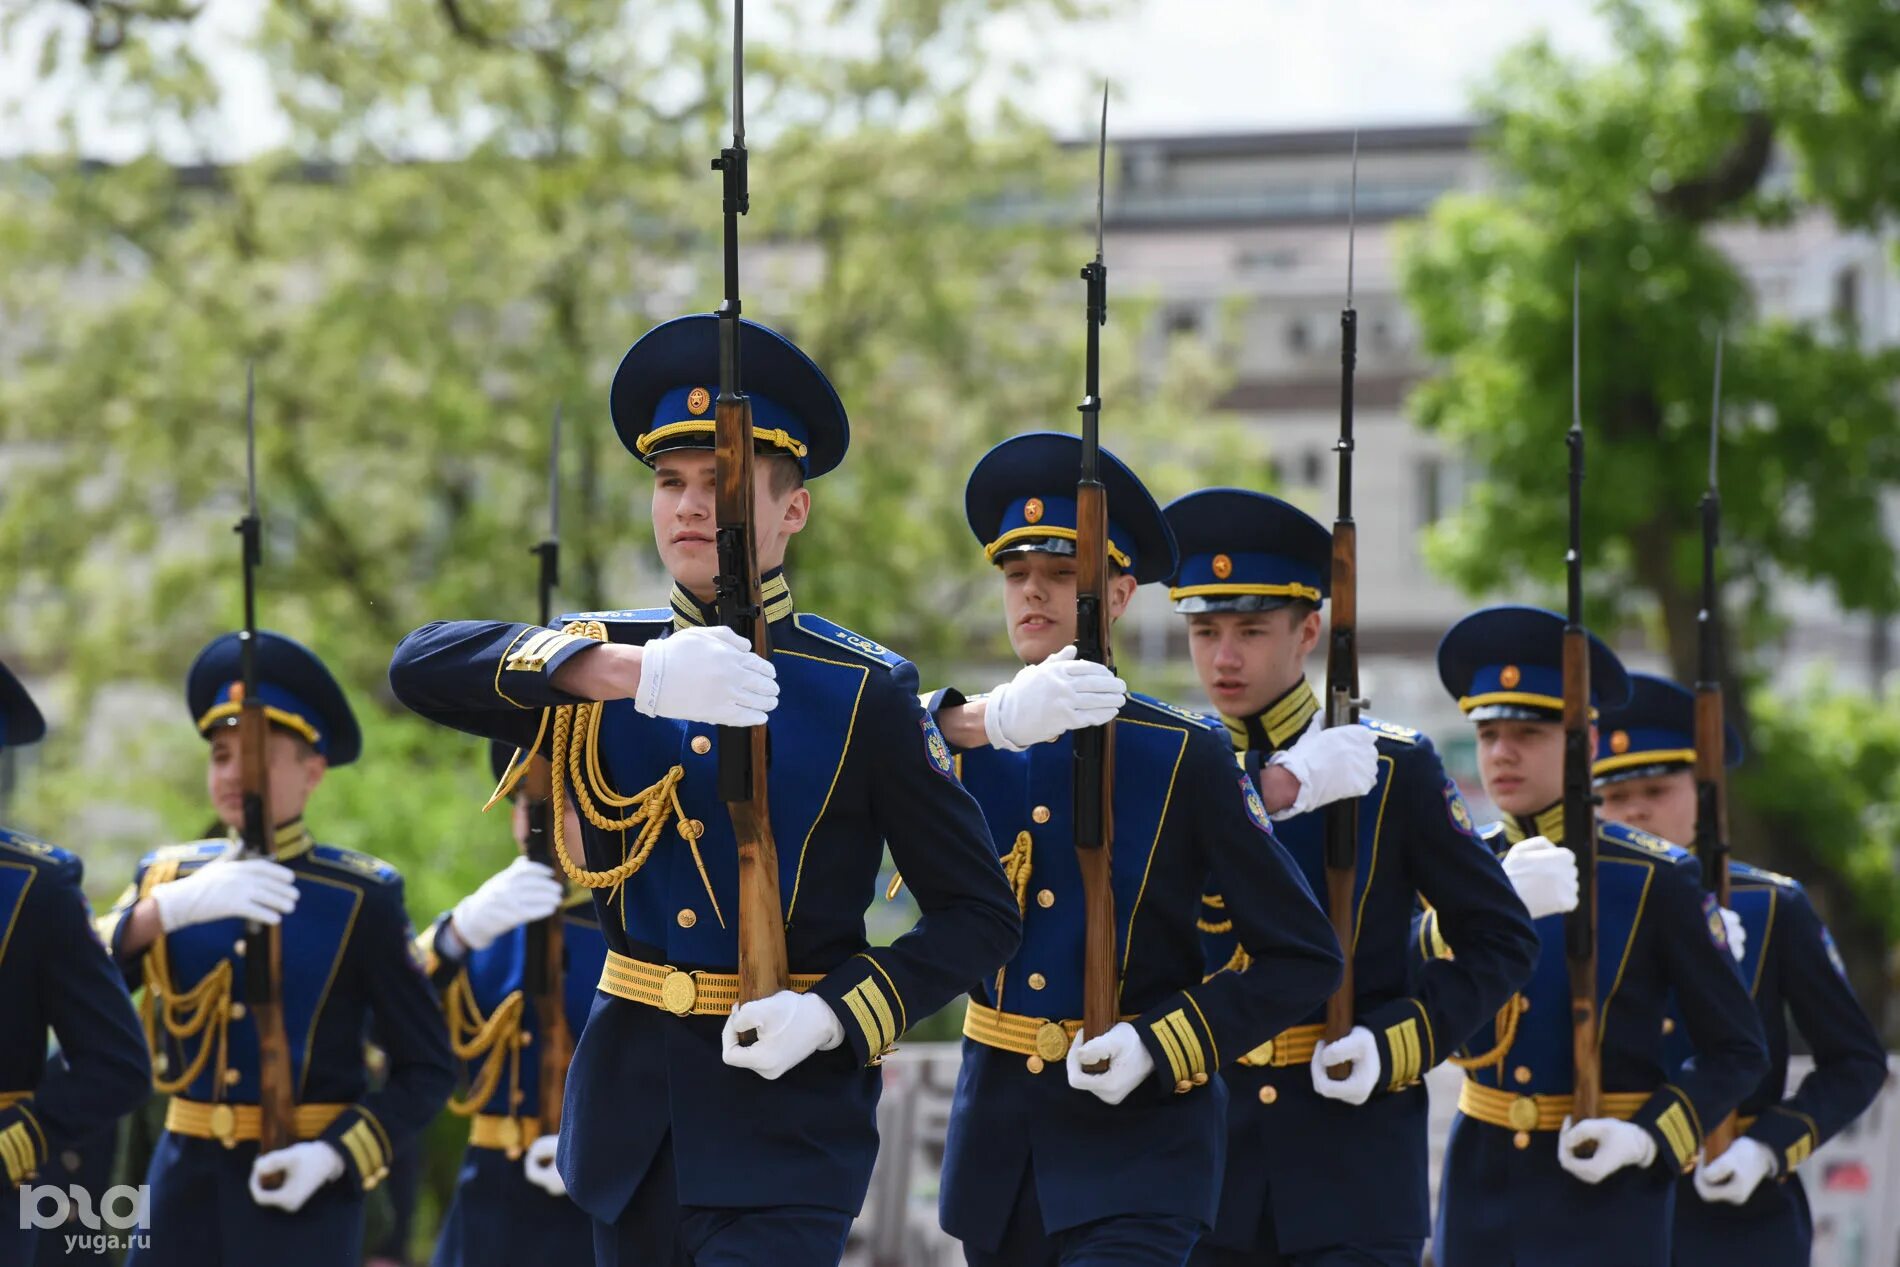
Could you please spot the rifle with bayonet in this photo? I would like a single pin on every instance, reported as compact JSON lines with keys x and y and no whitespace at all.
{"x":1095,"y":746}
{"x":742,"y":750}
{"x":263,"y":943}
{"x":1342,"y":659}
{"x":543,"y":955}
{"x":1711,"y":808}
{"x":1579,"y":803}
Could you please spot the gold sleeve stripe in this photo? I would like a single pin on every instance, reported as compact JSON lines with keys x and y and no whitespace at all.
{"x":1436,"y":945}
{"x":1190,"y":1042}
{"x":1402,"y":1041}
{"x":18,"y":1153}
{"x":502,"y":664}
{"x":1798,"y":1152}
{"x":903,"y":1013}
{"x":1177,"y":1062}
{"x":364,"y":1149}
{"x":1206,"y":1029}
{"x":1674,"y":1125}
{"x":537,"y":651}
{"x":873,"y":1013}
{"x":1430,"y":1057}
{"x":389,"y":1149}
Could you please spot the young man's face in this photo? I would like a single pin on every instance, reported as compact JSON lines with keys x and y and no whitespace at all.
{"x":1246,"y":660}
{"x":293,"y":767}
{"x":1663,"y":805}
{"x":1039,"y":602}
{"x":1522,"y":764}
{"x":684,"y":495}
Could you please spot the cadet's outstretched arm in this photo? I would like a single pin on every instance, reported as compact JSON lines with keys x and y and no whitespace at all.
{"x":492,"y":677}
{"x":1295,"y":957}
{"x":968,"y":925}
{"x":1474,"y":913}
{"x":1731,"y":1055}
{"x":1849,"y":1062}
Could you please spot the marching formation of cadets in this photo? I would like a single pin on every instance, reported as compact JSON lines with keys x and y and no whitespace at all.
{"x":1213,"y":1124}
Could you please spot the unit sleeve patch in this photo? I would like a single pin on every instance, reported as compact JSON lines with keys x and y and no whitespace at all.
{"x":1833,"y":952}
{"x":1712,"y":915}
{"x":1459,"y":812}
{"x":939,"y":750}
{"x":1256,"y":808}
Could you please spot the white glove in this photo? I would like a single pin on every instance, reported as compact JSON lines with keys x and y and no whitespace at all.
{"x":1044,"y":701}
{"x":228,"y":887}
{"x":1734,"y":1176}
{"x":1359,"y":1047}
{"x":519,"y":893}
{"x":1737,"y":935}
{"x":791,"y":1027}
{"x":1129,"y":1064}
{"x":539,"y":1166}
{"x":1544,"y":875}
{"x":706,"y":674}
{"x":1331,"y":764}
{"x":305,"y":1168}
{"x":1619,"y":1144}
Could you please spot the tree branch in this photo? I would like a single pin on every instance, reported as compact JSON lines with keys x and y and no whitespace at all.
{"x":1735,"y":176}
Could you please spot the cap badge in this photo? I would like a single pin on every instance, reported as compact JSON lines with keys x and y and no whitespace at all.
{"x":1620,"y":742}
{"x":1032,"y":510}
{"x":1223,"y":567}
{"x":237,"y":692}
{"x":1510,"y":677}
{"x":697,"y":401}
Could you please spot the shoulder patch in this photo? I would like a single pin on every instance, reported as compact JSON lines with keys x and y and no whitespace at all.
{"x":837,"y":635}
{"x":34,"y":847}
{"x":1457,"y":810}
{"x":1201,"y":720}
{"x":938,"y":749}
{"x":623,"y":616}
{"x":1256,"y":808}
{"x":356,"y":862}
{"x":1748,"y":871}
{"x":1618,"y":833}
{"x":1391,"y":730}
{"x":1833,"y":952}
{"x":1712,"y":916}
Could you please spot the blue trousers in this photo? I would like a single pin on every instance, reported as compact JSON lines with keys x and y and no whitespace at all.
{"x":499,"y":1219}
{"x":656,"y":1231}
{"x":203,"y":1215}
{"x":1390,"y":1253}
{"x":1133,"y":1240}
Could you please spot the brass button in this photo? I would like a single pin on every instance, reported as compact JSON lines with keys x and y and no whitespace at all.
{"x":686,"y":918}
{"x":1523,"y":1115}
{"x":161,"y":1063}
{"x":1521,"y":1140}
{"x":1199,"y":1079}
{"x":702,"y":745}
{"x":1523,"y":1004}
{"x":678,"y":993}
{"x":1040,"y":813}
{"x":232,"y":1077}
{"x":1183,"y":1087}
{"x":1522,"y":1074}
{"x":1669,"y":1024}
{"x":1268,"y":1094}
{"x":1037,"y":981}
{"x":523,"y":1038}
{"x":1045,"y":899}
{"x":1035,"y":1064}
{"x":238,"y":947}
{"x":1052,"y":1041}
{"x":224,"y":1124}
{"x":237,"y":1011}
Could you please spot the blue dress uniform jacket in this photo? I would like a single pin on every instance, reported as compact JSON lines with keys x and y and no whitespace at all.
{"x":855,"y":763}
{"x":349,"y":977}
{"x":1504,"y":1198}
{"x":1182,"y":810}
{"x":498,"y":1218}
{"x":55,"y":975}
{"x":1302,"y":1169}
{"x":1790,"y":965}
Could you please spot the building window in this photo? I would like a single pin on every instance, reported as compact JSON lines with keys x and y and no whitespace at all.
{"x":1310,"y":468}
{"x":1847,"y":296}
{"x":1182,"y":321}
{"x":1440,"y":489}
{"x":1298,"y":338}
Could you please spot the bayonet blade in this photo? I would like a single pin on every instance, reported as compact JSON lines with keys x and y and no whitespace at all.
{"x":1352,"y":216}
{"x":250,"y":433}
{"x":554,"y":478}
{"x":1101,"y":175}
{"x":738,"y":74}
{"x":1715,"y":411}
{"x":1576,"y":345}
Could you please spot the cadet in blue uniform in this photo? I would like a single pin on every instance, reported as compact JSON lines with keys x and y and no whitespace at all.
{"x":1748,"y":1205}
{"x":1514,"y":1190}
{"x":673,"y":1135}
{"x":1044,"y":1162}
{"x":1323,"y":1170}
{"x":511,"y":1208}
{"x":349,"y":972}
{"x":54,"y":975}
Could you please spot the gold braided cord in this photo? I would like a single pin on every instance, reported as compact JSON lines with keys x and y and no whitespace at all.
{"x":202,"y":1012}
{"x":1506,"y":1026}
{"x":493,"y":1039}
{"x":1016,"y":870}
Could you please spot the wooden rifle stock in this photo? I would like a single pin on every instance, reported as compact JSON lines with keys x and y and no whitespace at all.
{"x":1580,"y":929}
{"x":1712,"y":838}
{"x":544,"y":958}
{"x":263,"y":964}
{"x":1095,"y":776}
{"x":1342,"y":816}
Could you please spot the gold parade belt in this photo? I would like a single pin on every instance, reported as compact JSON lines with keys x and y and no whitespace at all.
{"x":681,"y":993}
{"x":508,"y":1134}
{"x":1043,"y":1041}
{"x":231,"y":1124}
{"x":1287,"y":1048}
{"x":1524,"y":1113}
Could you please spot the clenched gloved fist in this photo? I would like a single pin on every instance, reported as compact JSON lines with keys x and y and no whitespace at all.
{"x":1734,"y":1176}
{"x":706,"y":674}
{"x":1045,"y":701}
{"x":1331,"y":763}
{"x":1362,"y":1050}
{"x":518,"y":894}
{"x":1737,"y":935}
{"x":790,"y":1026}
{"x":1544,"y":875}
{"x":1618,"y":1144}
{"x":539,"y":1166}
{"x":304,"y":1168}
{"x":1129,"y":1064}
{"x":253,"y":889}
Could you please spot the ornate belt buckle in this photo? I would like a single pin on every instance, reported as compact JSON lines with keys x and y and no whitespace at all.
{"x":1052,"y":1041}
{"x":1524,"y":1113}
{"x":224,"y":1124}
{"x":679,"y":992}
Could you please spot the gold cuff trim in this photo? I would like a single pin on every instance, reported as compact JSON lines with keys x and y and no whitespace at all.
{"x":682,"y":993}
{"x":1516,"y":1112}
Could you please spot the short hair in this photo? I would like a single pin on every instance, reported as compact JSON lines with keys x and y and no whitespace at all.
{"x":783,"y":473}
{"x":1298,"y":609}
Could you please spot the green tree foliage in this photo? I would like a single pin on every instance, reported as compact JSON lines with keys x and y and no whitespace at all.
{"x":1710,"y":115}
